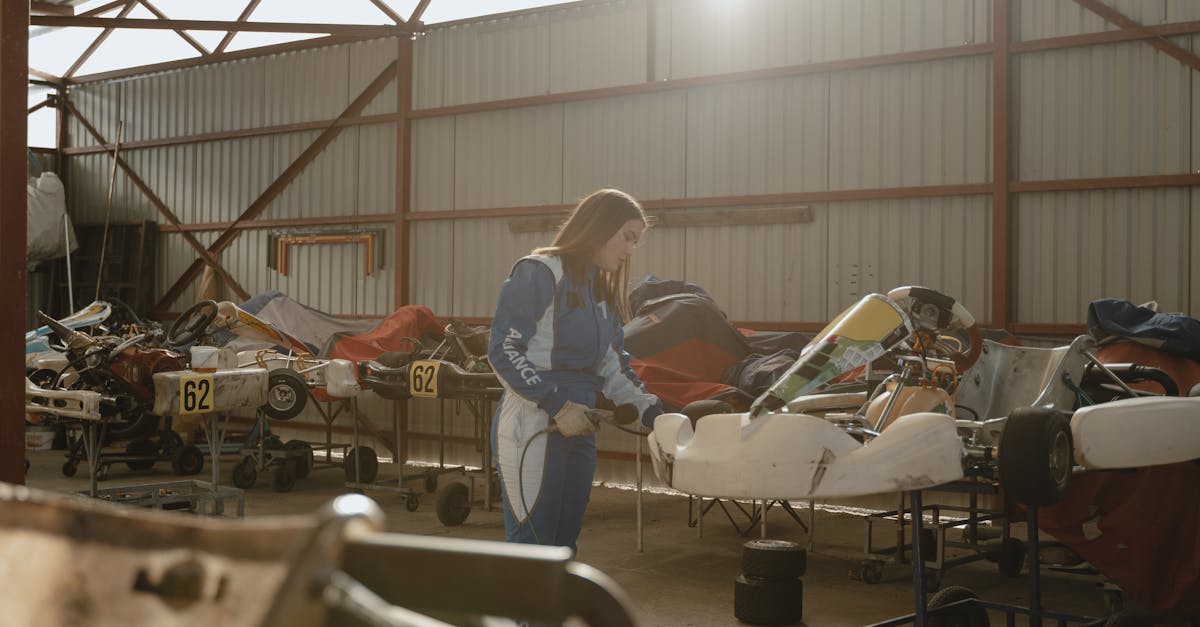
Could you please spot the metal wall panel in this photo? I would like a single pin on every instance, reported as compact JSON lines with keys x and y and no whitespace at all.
{"x":367,"y":60}
{"x":763,"y":272}
{"x":719,"y":37}
{"x":170,"y":172}
{"x":847,"y":29}
{"x":507,"y":158}
{"x":1040,"y":19}
{"x":918,"y":124}
{"x":174,"y":256}
{"x":758,"y":138}
{"x":1114,"y":110}
{"x":428,"y":75}
{"x":224,"y":177}
{"x":495,"y":60}
{"x":376,"y":169}
{"x":307,"y":85}
{"x":432,"y":164}
{"x":327,"y":185}
{"x":941,"y":243}
{"x":661,"y":252}
{"x":100,"y":103}
{"x":431,"y":259}
{"x":597,"y":46}
{"x":1075,"y":247}
{"x":484,"y":252}
{"x":632,"y":143}
{"x":1193,"y":267}
{"x":207,"y":99}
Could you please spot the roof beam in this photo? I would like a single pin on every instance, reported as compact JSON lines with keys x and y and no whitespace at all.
{"x":87,"y":54}
{"x":386,"y":10}
{"x":182,"y":33}
{"x":418,"y":12}
{"x":364,"y":30}
{"x":1126,"y":24}
{"x":245,"y":14}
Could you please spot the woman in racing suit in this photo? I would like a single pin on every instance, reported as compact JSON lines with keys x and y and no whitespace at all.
{"x":556,"y":343}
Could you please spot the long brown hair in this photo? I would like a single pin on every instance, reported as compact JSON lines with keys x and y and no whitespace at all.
{"x":589,"y":226}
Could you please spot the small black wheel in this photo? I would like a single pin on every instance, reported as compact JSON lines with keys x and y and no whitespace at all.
{"x":284,"y":478}
{"x":969,"y":615}
{"x":69,"y":468}
{"x":431,"y":481}
{"x":141,"y":447}
{"x":193,"y":323}
{"x":304,"y":461}
{"x":453,"y":507}
{"x":768,"y":601}
{"x":287,"y":394}
{"x":773,"y":559}
{"x":1011,"y":558}
{"x":1035,"y":456}
{"x":412,"y":502}
{"x":368,"y":465}
{"x":871,"y":571}
{"x":102,"y":473}
{"x":245,"y":473}
{"x":169,"y":442}
{"x":188,"y":460}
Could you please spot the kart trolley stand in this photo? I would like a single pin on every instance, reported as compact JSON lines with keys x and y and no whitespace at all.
{"x":432,"y":378}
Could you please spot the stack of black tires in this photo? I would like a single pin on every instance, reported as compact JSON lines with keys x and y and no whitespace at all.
{"x":769,"y":591}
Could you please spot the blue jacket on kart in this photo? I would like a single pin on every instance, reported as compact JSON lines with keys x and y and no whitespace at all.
{"x":550,"y":333}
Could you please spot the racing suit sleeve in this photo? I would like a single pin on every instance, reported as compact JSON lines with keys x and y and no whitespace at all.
{"x":621,"y":383}
{"x":524,"y":297}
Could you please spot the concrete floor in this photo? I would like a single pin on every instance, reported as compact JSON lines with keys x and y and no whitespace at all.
{"x":679,"y":578}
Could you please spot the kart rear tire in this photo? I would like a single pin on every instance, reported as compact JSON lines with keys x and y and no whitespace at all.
{"x":768,"y":602}
{"x":773,"y":559}
{"x":188,"y":460}
{"x":287,"y":394}
{"x":970,"y":616}
{"x":1035,"y":457}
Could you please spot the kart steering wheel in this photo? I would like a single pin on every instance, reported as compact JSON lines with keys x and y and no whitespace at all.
{"x":192,"y":323}
{"x":936,"y":314}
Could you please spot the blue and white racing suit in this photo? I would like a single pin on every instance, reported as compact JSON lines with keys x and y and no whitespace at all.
{"x":552,"y":342}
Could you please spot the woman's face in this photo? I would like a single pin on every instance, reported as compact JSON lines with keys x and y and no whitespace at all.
{"x":620,"y":246}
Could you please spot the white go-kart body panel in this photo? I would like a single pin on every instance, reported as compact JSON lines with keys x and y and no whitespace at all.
{"x":798,"y":456}
{"x":1137,"y":432}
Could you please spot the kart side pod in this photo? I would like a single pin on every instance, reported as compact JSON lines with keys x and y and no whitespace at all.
{"x":796,"y":456}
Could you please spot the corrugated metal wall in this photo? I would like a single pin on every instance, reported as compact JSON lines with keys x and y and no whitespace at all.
{"x":1099,"y":111}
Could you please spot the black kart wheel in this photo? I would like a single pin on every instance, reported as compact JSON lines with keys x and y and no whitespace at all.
{"x":412,"y":502}
{"x":773,"y":559}
{"x":284,"y":478}
{"x":969,"y":615}
{"x":192,"y":324}
{"x":188,"y":460}
{"x":69,"y":468}
{"x":1035,"y":457}
{"x":768,"y":602}
{"x":245,"y":473}
{"x":453,"y":506}
{"x":368,"y":465}
{"x":287,"y":394}
{"x":303,"y":460}
{"x":141,"y":447}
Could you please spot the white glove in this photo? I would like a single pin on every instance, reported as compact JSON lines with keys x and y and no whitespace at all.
{"x":572,"y":420}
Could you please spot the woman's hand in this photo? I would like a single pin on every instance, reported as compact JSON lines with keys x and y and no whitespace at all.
{"x":572,"y":420}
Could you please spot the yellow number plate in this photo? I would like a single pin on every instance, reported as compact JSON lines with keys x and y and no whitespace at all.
{"x":422,"y":378}
{"x":196,"y":394}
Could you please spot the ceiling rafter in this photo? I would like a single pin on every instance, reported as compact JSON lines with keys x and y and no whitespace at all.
{"x":49,"y":8}
{"x":418,"y":12}
{"x":182,"y":33}
{"x":369,"y":30}
{"x":386,"y":10}
{"x":245,"y":15}
{"x":1126,"y":23}
{"x":87,"y":54}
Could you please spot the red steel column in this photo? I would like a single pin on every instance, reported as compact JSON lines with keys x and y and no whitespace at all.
{"x":1002,"y":218}
{"x":14,"y":84}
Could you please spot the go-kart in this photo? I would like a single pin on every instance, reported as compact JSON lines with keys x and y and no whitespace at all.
{"x":1028,"y":425}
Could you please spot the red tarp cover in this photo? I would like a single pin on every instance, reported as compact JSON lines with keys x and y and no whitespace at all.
{"x":410,"y":321}
{"x":1149,"y":519}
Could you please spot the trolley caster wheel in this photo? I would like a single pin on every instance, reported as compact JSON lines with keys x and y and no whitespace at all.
{"x":431,"y":481}
{"x":453,"y":506}
{"x":412,"y":502}
{"x":284,"y":478}
{"x":871,"y":571}
{"x":1012,"y":557}
{"x":188,"y":460}
{"x":141,"y":447}
{"x":969,"y":616}
{"x":304,"y":464}
{"x":245,"y":474}
{"x":368,"y":464}
{"x":102,"y":473}
{"x":70,"y":468}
